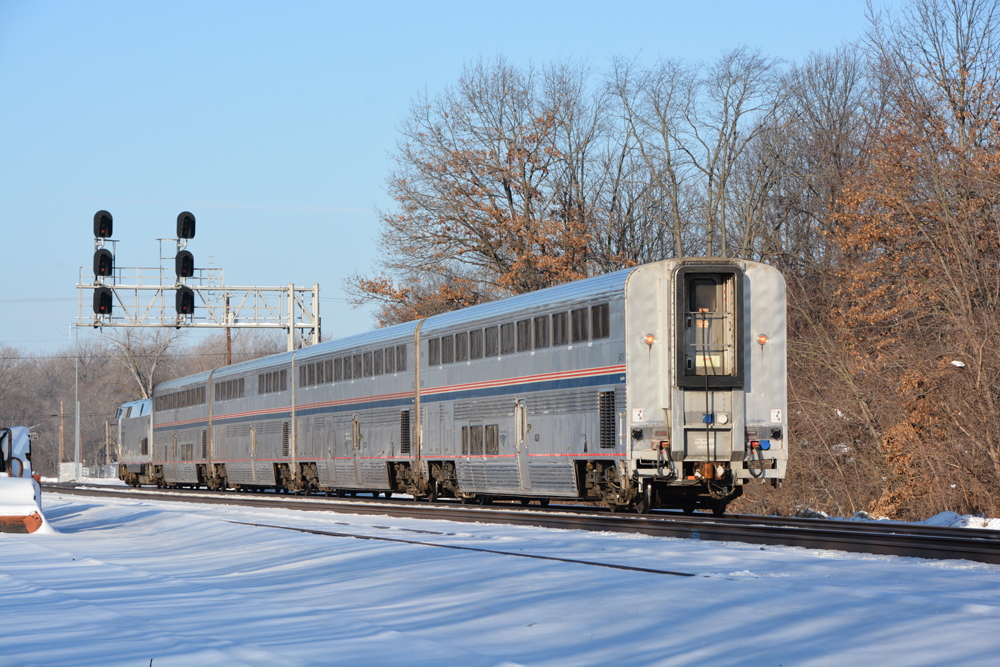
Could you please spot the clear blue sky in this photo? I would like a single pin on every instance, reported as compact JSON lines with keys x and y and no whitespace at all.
{"x":272,"y":122}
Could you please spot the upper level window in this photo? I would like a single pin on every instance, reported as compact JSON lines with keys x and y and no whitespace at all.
{"x":377,"y":360}
{"x":400,"y":358}
{"x":447,"y":349}
{"x":600,"y":321}
{"x":434,"y":352}
{"x":367,"y":356}
{"x":390,"y":359}
{"x":461,"y":346}
{"x":541,"y":332}
{"x":476,"y":344}
{"x":524,"y":335}
{"x":580,"y":329}
{"x":492,"y":341}
{"x":507,"y":338}
{"x":560,"y":332}
{"x":348,"y":368}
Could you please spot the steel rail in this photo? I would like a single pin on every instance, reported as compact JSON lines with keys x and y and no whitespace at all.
{"x":914,"y":540}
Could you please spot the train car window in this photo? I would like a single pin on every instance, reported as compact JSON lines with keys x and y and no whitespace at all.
{"x":241,"y":387}
{"x":302,"y":376}
{"x":541,"y":332}
{"x":476,"y":344}
{"x":311,"y":372}
{"x":377,"y":361}
{"x":367,"y":356}
{"x":338,"y":370}
{"x":320,"y":372}
{"x":492,"y":438}
{"x":284,"y":380}
{"x":492,"y":336}
{"x":507,"y":338}
{"x":261,"y":383}
{"x":447,"y":349}
{"x":434,"y":352}
{"x":390,"y":355}
{"x":462,"y":346}
{"x":580,"y":332}
{"x":524,"y":335}
{"x":702,"y":297}
{"x":465,"y":440}
{"x":358,"y":366}
{"x":560,"y":333}
{"x":328,"y":366}
{"x":600,"y":321}
{"x":475,"y":440}
{"x":400,"y":358}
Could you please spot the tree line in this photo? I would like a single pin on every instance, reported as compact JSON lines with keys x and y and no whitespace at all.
{"x":868,"y":174}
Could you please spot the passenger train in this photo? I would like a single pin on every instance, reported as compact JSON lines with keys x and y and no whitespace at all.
{"x":662,"y":385}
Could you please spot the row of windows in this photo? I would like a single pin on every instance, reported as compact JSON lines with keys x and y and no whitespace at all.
{"x":481,"y":439}
{"x":268,"y":383}
{"x":578,"y":326}
{"x":181,"y":399}
{"x":364,"y":364}
{"x":229,"y":389}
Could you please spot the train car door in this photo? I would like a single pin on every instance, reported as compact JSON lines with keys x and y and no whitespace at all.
{"x":174,"y":458}
{"x":521,"y":441}
{"x":356,"y":448}
{"x":253,"y":453}
{"x":331,"y":454}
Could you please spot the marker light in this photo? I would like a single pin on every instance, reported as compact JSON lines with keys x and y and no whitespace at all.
{"x":649,"y":339}
{"x":762,"y":339}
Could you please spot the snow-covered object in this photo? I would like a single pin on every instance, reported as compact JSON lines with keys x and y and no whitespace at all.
{"x":20,"y":494}
{"x":962,"y":521}
{"x":958,"y":364}
{"x":19,"y":511}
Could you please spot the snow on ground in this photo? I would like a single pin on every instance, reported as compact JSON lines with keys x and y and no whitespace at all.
{"x":126,"y":581}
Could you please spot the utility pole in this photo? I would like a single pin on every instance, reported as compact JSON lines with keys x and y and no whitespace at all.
{"x":62,"y":434}
{"x":78,"y":469}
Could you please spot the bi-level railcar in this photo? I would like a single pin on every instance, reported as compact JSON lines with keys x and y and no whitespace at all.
{"x":662,"y":385}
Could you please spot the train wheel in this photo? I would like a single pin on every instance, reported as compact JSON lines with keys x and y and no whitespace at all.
{"x":544,"y":502}
{"x":484,"y":500}
{"x":375,"y":494}
{"x":388,"y":494}
{"x":687,"y":508}
{"x":525,"y":501}
{"x":719,"y":506}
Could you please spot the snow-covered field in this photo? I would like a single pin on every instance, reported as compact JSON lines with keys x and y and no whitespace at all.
{"x":125,"y":582}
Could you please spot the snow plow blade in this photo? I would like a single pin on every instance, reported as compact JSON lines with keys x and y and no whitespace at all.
{"x":19,"y":513}
{"x":21,"y":524}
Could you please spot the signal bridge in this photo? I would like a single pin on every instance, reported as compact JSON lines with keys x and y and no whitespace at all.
{"x":138,"y":296}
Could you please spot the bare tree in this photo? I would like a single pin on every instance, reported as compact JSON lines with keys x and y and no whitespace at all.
{"x":142,"y":354}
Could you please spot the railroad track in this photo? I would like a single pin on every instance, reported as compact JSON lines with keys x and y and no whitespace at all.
{"x":856,"y":536}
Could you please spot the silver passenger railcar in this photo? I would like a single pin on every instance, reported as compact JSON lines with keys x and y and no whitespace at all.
{"x":658,"y":386}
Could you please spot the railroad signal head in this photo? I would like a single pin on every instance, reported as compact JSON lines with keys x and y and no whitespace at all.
{"x":102,"y":225}
{"x":102,"y":301}
{"x":185,"y":301}
{"x":184,"y":264}
{"x":185,"y":225}
{"x":104,"y":262}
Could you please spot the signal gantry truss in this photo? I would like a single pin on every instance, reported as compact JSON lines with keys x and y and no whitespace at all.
{"x":142,"y":298}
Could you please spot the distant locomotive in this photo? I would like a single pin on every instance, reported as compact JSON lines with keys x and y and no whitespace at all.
{"x":662,"y":385}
